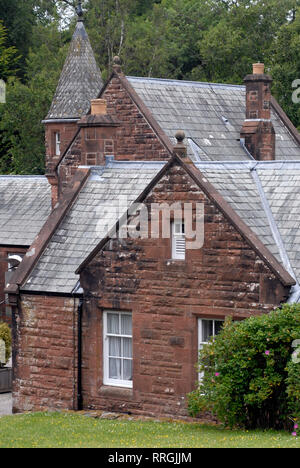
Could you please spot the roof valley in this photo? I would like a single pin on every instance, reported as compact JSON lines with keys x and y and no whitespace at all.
{"x":273,"y":226}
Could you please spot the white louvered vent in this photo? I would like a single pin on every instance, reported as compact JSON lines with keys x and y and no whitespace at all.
{"x":178,"y":241}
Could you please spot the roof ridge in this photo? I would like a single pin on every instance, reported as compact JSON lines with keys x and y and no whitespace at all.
{"x":19,"y":176}
{"x":185,"y":82}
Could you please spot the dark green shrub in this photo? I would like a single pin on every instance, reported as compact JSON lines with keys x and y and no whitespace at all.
{"x":293,"y":390}
{"x":249,"y":379}
{"x":5,"y":335}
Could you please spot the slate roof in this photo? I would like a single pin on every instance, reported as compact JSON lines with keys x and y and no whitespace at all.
{"x":266,"y":195}
{"x":211,"y":116}
{"x":80,"y":80}
{"x":25,"y":204}
{"x":282,"y":188}
{"x":105,"y":197}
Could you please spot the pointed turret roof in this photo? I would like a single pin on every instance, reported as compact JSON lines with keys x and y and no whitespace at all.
{"x":80,"y":80}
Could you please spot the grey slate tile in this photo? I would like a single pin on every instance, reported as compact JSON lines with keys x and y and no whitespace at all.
{"x":198,"y":108}
{"x":25,"y":204}
{"x":80,"y":80}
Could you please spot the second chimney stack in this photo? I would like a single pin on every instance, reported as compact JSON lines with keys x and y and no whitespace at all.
{"x":258,"y":131}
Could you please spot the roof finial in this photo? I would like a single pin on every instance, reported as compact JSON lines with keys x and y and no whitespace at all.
{"x":180,"y":148}
{"x":117,"y":64}
{"x":79,"y":11}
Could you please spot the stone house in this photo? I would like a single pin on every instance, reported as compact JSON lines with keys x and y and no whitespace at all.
{"x":114,"y":322}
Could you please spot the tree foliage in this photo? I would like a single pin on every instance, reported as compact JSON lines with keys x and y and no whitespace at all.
{"x":8,"y":55}
{"x":207,"y":40}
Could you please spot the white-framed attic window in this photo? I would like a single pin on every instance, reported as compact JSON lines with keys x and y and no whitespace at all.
{"x":178,"y":240}
{"x":117,"y":349}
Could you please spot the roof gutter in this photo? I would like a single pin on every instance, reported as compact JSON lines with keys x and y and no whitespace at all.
{"x":50,"y":121}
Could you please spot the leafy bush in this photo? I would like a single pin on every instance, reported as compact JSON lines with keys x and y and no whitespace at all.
{"x":5,"y":335}
{"x":249,"y":377}
{"x":293,"y":391}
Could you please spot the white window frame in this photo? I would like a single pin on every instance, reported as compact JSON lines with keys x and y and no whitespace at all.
{"x":106,"y":379}
{"x":178,"y":240}
{"x":202,"y":343}
{"x":200,"y":325}
{"x":57,"y":143}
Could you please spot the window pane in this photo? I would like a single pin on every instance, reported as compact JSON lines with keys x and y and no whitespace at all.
{"x":126,"y":322}
{"x":113,"y":324}
{"x":127,"y":347}
{"x":218,"y":326}
{"x":127,"y":369}
{"x":115,"y":369}
{"x":115,"y":346}
{"x":207,"y":330}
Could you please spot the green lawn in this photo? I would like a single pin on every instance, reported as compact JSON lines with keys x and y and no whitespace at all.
{"x":71,"y":430}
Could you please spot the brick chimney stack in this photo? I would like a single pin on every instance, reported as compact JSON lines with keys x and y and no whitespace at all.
{"x":98,"y":134}
{"x":258,"y":131}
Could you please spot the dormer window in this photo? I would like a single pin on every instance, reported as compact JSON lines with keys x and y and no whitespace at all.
{"x":178,"y":240}
{"x":57,"y":143}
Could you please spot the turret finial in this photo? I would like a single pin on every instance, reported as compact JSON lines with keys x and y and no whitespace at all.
{"x":79,"y":11}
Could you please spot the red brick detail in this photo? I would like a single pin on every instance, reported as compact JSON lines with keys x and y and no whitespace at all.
{"x":224,"y":278}
{"x":260,"y":140}
{"x":45,"y":365}
{"x":133,"y":140}
{"x":136,"y":140}
{"x":67,"y":132}
{"x":70,"y":163}
{"x":259,"y":135}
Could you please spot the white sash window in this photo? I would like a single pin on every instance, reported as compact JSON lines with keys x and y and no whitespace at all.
{"x":207,"y":329}
{"x":117,"y":349}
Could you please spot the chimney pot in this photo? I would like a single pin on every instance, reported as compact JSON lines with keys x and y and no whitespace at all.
{"x":258,"y":69}
{"x":98,"y":107}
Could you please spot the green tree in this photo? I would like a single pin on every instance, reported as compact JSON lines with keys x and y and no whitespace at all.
{"x":285,"y":67}
{"x":22,"y":133}
{"x":8,"y":55}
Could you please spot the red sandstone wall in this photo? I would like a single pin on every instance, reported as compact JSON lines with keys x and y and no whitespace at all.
{"x":45,"y":354}
{"x":135,"y":139}
{"x":225,"y":277}
{"x":67,"y":132}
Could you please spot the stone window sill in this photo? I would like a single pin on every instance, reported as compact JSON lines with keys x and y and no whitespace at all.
{"x":122,"y":392}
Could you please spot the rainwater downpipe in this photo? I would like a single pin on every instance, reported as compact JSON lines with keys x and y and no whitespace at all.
{"x":79,"y":356}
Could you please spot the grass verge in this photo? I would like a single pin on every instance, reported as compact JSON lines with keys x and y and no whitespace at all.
{"x":71,"y":430}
